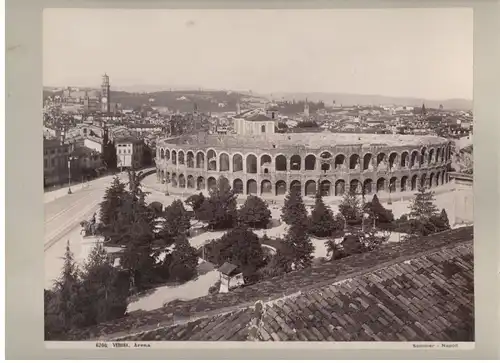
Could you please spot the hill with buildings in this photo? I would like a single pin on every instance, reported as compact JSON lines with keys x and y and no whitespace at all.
{"x":355,"y":99}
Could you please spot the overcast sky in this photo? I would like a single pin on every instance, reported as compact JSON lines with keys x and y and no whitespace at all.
{"x":423,"y":53}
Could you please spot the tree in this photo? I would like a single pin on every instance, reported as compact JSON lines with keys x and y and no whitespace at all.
{"x":195,"y":201}
{"x":350,"y":207}
{"x":254,"y":213}
{"x":134,"y":229}
{"x":378,"y":212}
{"x":66,"y":308}
{"x":301,"y":247}
{"x":423,"y":207}
{"x":184,"y":260}
{"x":177,"y":221}
{"x":321,"y":221}
{"x":444,"y":219}
{"x":108,"y":151}
{"x":352,"y":245}
{"x":219,"y":209}
{"x":112,"y":200}
{"x":334,"y":250}
{"x":104,"y":297}
{"x":294,"y":211}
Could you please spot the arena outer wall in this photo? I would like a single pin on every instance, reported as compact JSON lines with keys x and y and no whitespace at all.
{"x":270,"y":166}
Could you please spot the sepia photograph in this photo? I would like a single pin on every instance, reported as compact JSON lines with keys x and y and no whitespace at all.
{"x":268,"y":175}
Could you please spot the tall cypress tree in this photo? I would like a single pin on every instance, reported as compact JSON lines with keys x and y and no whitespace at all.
{"x":112,"y":200}
{"x":68,"y":303}
{"x":104,"y":297}
{"x":294,"y":210}
{"x":321,"y":222}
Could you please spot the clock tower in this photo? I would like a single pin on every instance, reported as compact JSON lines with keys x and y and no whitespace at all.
{"x":105,"y":93}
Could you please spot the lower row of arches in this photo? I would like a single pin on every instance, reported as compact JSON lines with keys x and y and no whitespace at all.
{"x":310,"y":187}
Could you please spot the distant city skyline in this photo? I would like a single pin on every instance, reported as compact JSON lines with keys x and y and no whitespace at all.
{"x":420,"y":53}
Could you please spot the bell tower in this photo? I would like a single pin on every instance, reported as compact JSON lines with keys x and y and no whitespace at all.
{"x":105,"y":93}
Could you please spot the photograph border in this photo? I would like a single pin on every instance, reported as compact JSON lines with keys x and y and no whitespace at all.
{"x":24,"y":191}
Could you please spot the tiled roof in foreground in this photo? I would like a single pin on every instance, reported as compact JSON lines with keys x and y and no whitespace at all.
{"x":419,"y":290}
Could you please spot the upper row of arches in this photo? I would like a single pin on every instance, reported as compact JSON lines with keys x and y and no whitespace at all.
{"x":324,"y":161}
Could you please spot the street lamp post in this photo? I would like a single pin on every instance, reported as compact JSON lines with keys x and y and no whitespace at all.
{"x":70,"y":158}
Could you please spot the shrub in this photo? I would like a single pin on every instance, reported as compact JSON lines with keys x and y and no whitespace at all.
{"x":214,"y":289}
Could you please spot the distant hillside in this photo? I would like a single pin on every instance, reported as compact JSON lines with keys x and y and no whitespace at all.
{"x":183,"y":101}
{"x":353,"y":99}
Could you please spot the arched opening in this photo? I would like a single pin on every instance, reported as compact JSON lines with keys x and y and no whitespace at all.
{"x":200,"y":160}
{"x":280,"y":163}
{"x":251,"y":186}
{"x":442,"y":154}
{"x":296,"y":185}
{"x":339,"y":187}
{"x":180,"y":157}
{"x":354,"y":161}
{"x":212,"y":160}
{"x":414,"y":182}
{"x":310,"y":188}
{"x":190,"y":159}
{"x":263,"y":128}
{"x":381,"y":159}
{"x":404,"y":159}
{"x":174,"y":180}
{"x":182,"y":181}
{"x":224,"y":162}
{"x":325,"y":167}
{"x":438,"y":153}
{"x":310,"y":162}
{"x":190,"y":182}
{"x":404,"y":181}
{"x":423,"y":179}
{"x":325,"y":188}
{"x":368,"y":186}
{"x":252,"y":164}
{"x":355,"y":186}
{"x":223,"y":182}
{"x":431,"y":180}
{"x":238,"y":186}
{"x":438,"y":175}
{"x":174,"y":157}
{"x":367,"y":159}
{"x":200,"y":183}
{"x":393,"y":160}
{"x":167,"y":154}
{"x":392,"y":184}
{"x":442,"y":178}
{"x":431,"y":156}
{"x":237,"y":163}
{"x":266,"y":187}
{"x":211,"y":183}
{"x":162,"y":154}
{"x":423,"y":155}
{"x":265,"y":164}
{"x":380,"y":185}
{"x":339,"y":161}
{"x":280,"y":187}
{"x":414,"y":158}
{"x":295,"y":161}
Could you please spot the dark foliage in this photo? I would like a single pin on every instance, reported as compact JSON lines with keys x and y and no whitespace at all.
{"x":294,"y":211}
{"x":177,"y":222}
{"x":350,"y":208}
{"x":195,"y":201}
{"x":300,"y":246}
{"x":376,"y":211}
{"x":321,"y":221}
{"x":184,"y":260}
{"x":214,"y":289}
{"x":254,"y":213}
{"x":111,"y":203}
{"x":219,"y":209}
{"x":108,"y":152}
{"x":305,"y":124}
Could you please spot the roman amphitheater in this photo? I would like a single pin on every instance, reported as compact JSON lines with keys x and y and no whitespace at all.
{"x":269,"y":164}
